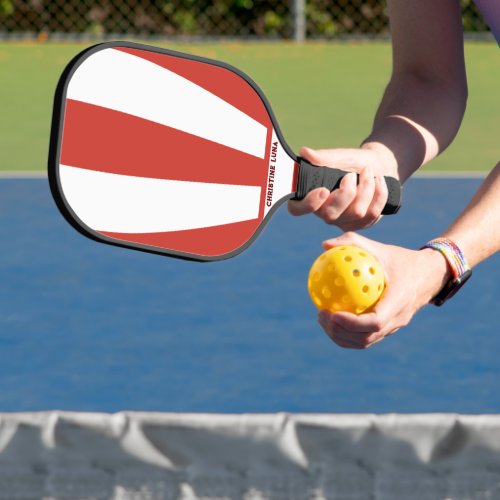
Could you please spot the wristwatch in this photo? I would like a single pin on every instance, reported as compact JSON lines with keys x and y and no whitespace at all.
{"x":460,"y":270}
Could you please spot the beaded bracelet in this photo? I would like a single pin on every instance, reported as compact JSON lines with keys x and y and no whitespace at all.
{"x":460,"y":269}
{"x":452,"y":254}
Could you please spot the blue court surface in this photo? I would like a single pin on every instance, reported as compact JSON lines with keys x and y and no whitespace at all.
{"x":90,"y":327}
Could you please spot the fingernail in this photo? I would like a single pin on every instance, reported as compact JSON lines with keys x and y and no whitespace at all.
{"x":334,"y":321}
{"x":323,"y":317}
{"x":324,"y":194}
{"x":305,"y":150}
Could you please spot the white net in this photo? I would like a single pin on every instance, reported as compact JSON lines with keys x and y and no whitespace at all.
{"x":155,"y":456}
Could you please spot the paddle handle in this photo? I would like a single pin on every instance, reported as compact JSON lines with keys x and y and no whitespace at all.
{"x":311,"y":177}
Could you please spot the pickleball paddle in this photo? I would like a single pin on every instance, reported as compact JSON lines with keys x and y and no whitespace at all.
{"x":172,"y":153}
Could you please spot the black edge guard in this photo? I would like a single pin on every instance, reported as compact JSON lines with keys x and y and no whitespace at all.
{"x":311,"y":177}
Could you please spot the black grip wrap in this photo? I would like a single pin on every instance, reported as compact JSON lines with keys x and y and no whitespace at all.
{"x":394,"y":197}
{"x":311,"y":177}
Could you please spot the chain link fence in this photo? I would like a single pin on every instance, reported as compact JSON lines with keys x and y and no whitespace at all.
{"x":284,"y":19}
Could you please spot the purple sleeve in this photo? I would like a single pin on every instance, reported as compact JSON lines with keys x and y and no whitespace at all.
{"x":490,"y":9}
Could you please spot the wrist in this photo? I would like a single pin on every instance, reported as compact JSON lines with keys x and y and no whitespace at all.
{"x":386,"y":157}
{"x":437,"y":272}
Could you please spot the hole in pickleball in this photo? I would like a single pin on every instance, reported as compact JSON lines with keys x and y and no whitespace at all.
{"x":348,"y":258}
{"x":339,"y":281}
{"x":363,"y":254}
{"x":372,"y":270}
{"x":327,"y":293}
{"x":336,"y":306}
{"x":317,"y":300}
{"x":317,"y":276}
{"x":346,"y":299}
{"x":360,"y":309}
{"x":356,"y":273}
{"x":366,"y":289}
{"x":379,"y":287}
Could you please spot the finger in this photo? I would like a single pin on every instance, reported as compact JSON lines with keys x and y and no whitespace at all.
{"x":358,"y":340}
{"x":359,"y":224}
{"x":393,"y":332}
{"x":380,"y":196}
{"x":376,"y":338}
{"x":311,"y":203}
{"x":352,"y":219}
{"x":385,"y":317}
{"x":365,"y":191}
{"x":341,"y":340}
{"x":364,"y":324}
{"x":353,"y":341}
{"x":338,"y":201}
{"x":362,"y":340}
{"x":324,"y":318}
{"x":372,"y":343}
{"x":345,"y":344}
{"x":392,"y":311}
{"x":338,"y":334}
{"x":346,"y":338}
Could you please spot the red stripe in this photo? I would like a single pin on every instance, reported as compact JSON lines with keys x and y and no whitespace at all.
{"x":295,"y":177}
{"x":102,"y":139}
{"x":221,"y":82}
{"x":209,"y":242}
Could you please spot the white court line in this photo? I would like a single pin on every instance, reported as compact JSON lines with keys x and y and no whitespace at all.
{"x":36,"y":174}
{"x":453,"y":174}
{"x":23,"y":174}
{"x":431,"y":174}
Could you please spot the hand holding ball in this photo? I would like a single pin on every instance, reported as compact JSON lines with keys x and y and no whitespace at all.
{"x":346,"y":278}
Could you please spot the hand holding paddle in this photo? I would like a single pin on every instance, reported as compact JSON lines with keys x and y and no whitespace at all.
{"x":360,"y":199}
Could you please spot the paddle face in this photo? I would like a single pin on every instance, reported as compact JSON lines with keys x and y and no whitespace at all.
{"x":165,"y":152}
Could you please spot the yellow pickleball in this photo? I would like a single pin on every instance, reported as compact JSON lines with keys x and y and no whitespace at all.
{"x":346,"y":278}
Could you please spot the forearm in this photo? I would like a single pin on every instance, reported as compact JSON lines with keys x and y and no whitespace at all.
{"x":477,"y":230}
{"x":424,"y":103}
{"x":416,"y":120}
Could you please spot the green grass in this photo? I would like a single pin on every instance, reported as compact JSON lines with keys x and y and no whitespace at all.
{"x":323,"y":95}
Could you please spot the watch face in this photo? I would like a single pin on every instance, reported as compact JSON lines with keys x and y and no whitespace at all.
{"x":451,"y":288}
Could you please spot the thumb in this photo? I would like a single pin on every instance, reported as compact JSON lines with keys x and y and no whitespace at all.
{"x":351,"y":159}
{"x":378,"y":250}
{"x":349,"y":238}
{"x":310,"y":155}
